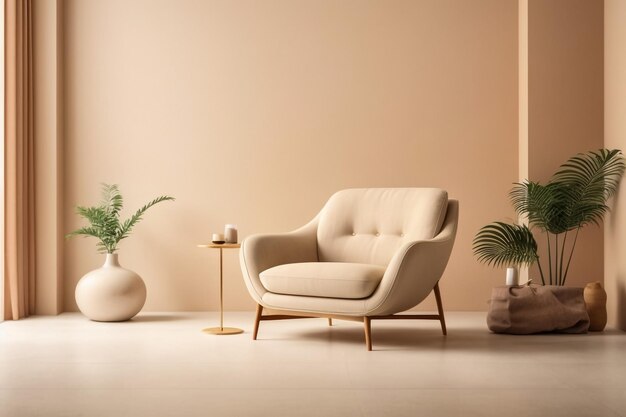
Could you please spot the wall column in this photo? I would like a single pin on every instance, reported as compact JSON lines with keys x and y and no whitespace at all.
{"x":561,"y":103}
{"x":615,"y":137}
{"x":48,"y":154}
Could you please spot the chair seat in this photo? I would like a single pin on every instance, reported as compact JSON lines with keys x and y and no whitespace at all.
{"x":323,"y":279}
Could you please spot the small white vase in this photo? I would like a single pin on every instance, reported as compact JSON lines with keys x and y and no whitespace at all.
{"x":512,"y":277}
{"x":110,"y":293}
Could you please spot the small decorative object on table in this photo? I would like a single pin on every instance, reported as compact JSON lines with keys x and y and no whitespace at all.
{"x":110,"y":293}
{"x":230,"y":233}
{"x":217,"y":238}
{"x":595,"y":300}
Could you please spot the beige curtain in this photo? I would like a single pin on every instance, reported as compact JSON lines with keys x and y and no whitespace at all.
{"x":19,"y":207}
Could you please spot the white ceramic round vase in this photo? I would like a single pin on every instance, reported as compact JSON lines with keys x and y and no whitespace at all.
{"x":110,"y":293}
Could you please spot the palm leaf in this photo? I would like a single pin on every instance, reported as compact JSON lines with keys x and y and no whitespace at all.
{"x":503,"y":244}
{"x":85,"y":231}
{"x":543,"y":205}
{"x":587,"y":181}
{"x":112,"y":200}
{"x":126,"y":227}
{"x":94,"y":215}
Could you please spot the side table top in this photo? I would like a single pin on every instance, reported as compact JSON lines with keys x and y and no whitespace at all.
{"x":220,"y":245}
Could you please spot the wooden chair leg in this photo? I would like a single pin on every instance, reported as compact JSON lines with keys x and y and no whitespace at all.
{"x":367,"y":323}
{"x":440,"y":309}
{"x":330,"y":321}
{"x":257,"y":320}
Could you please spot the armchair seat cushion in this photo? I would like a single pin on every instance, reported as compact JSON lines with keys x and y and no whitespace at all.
{"x":323,"y":279}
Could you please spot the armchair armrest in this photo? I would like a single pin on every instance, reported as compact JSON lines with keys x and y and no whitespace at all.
{"x":415,"y":269}
{"x":263,"y":251}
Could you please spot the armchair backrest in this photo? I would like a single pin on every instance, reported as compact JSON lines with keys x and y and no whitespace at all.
{"x":369,"y":225}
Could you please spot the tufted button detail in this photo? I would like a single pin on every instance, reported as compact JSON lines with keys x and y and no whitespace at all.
{"x":401,"y":234}
{"x":353,"y":234}
{"x":377,"y":234}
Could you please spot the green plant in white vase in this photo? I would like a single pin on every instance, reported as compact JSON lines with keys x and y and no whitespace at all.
{"x":110,"y":293}
{"x":575,"y":196}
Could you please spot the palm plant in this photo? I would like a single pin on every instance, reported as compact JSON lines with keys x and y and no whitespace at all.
{"x":576,"y":196}
{"x":104,"y":219}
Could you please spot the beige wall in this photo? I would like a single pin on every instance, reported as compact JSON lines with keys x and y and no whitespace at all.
{"x":615,"y":137}
{"x":256,"y":112}
{"x":564,"y":101}
{"x":233,"y":106}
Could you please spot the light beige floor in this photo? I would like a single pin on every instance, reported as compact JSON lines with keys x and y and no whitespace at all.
{"x":162,"y":365}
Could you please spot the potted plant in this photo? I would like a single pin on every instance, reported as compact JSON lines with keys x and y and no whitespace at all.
{"x":110,"y":293}
{"x":575,"y":196}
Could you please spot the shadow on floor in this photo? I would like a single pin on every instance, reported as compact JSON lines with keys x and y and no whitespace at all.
{"x":431,"y":339}
{"x":142,"y":318}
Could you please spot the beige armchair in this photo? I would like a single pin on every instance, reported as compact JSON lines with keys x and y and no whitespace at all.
{"x":368,"y":255}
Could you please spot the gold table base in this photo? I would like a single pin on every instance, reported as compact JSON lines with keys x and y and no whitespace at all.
{"x":222,"y":330}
